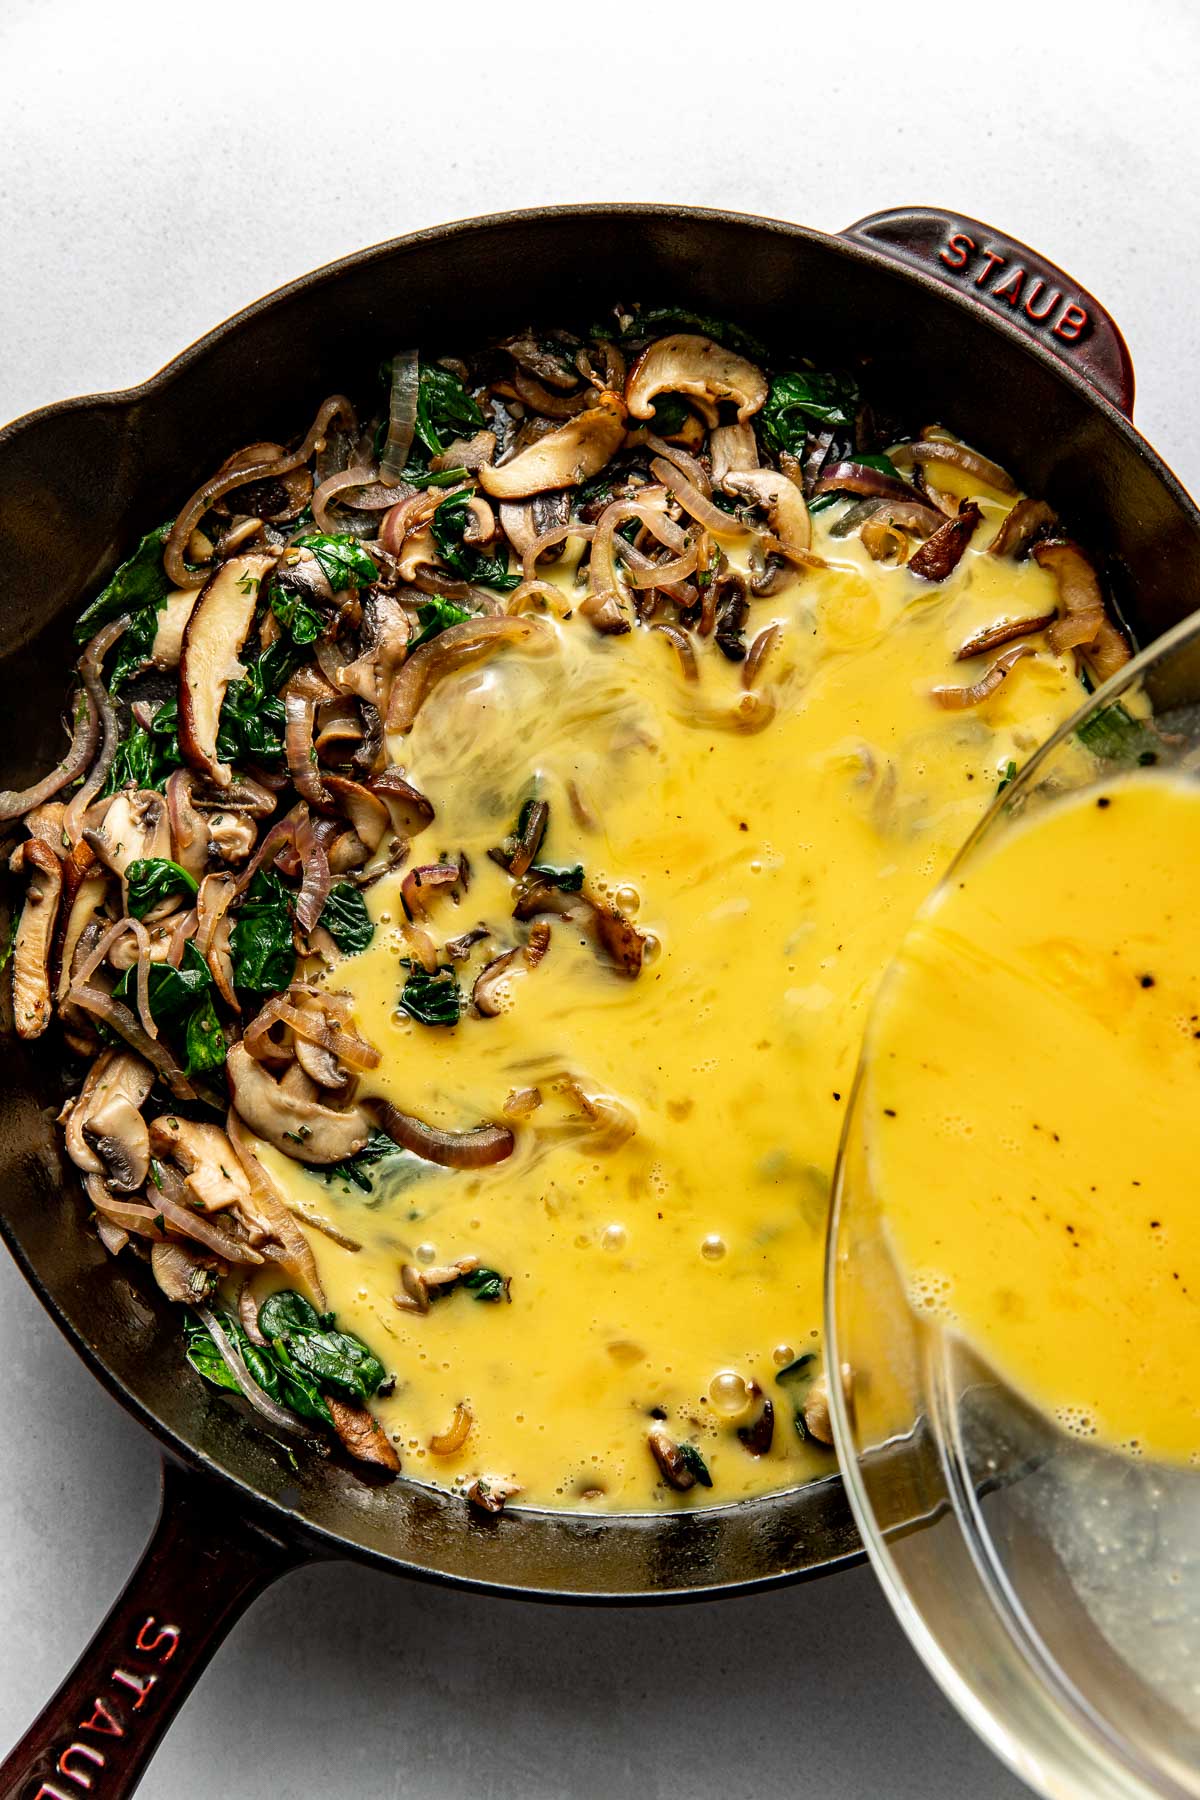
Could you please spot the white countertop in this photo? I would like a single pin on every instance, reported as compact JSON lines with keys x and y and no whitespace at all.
{"x":161,"y":166}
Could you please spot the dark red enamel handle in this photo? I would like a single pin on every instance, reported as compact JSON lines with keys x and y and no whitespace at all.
{"x":1012,"y":281}
{"x":203,"y":1566}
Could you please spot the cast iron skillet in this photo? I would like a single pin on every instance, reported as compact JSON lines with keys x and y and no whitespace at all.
{"x":964,"y":326}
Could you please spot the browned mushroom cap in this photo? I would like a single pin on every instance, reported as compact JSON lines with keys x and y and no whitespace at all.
{"x":35,"y":935}
{"x":816,"y":1411}
{"x":231,"y":835}
{"x":561,"y":458}
{"x":362,"y":1434}
{"x":784,"y":505}
{"x":188,"y":826}
{"x":707,"y":372}
{"x":1021,"y":525}
{"x":105,"y":1133}
{"x":300,"y":1127}
{"x":756,"y":1436}
{"x":215,"y":1178}
{"x":218,"y":627}
{"x":466,"y":453}
{"x":275,"y":497}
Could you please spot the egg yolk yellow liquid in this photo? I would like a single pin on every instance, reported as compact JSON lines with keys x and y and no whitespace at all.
{"x":1033,"y":1108}
{"x":662,"y":1214}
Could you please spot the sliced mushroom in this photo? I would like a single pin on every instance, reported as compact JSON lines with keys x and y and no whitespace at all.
{"x":1083,"y":624}
{"x":563,"y":458}
{"x":467,"y":453}
{"x":184,"y":1274}
{"x":232,"y":835}
{"x":172,"y":623}
{"x":301,"y":1128}
{"x":491,"y":1493}
{"x":137,"y":825}
{"x":218,"y":627}
{"x":734,"y":450}
{"x":362,"y":1434}
{"x":686,"y":363}
{"x":117,"y":1084}
{"x":785,"y":506}
{"x":188,"y":826}
{"x":215,"y":1178}
{"x":1021,"y":525}
{"x":756,"y":1435}
{"x":35,"y":936}
{"x":423,"y":1286}
{"x":674,"y":1466}
{"x":85,"y":888}
{"x":943,"y":550}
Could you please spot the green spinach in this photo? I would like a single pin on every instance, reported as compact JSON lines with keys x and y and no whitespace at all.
{"x":138,"y":584}
{"x":436,"y":615}
{"x":378,"y":1147}
{"x":433,"y":999}
{"x":798,"y":400}
{"x":448,"y":524}
{"x":260,"y":943}
{"x":346,"y":919}
{"x":172,"y":992}
{"x":695,"y":1464}
{"x":154,"y":878}
{"x":657,"y":320}
{"x":310,"y":1346}
{"x":345,"y":562}
{"x":203,"y":1040}
{"x":487,"y":1284}
{"x":444,"y":409}
{"x":144,"y":757}
{"x":567,"y":881}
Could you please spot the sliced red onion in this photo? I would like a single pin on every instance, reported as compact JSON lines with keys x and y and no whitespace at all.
{"x":956,"y":699}
{"x":684,"y":649}
{"x":15,"y":804}
{"x":402,"y":414}
{"x":313,"y":838}
{"x":235,"y":1362}
{"x":851,"y":477}
{"x":89,"y":670}
{"x":477,"y":1149}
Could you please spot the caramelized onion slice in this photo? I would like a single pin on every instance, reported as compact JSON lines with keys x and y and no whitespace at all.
{"x":477,"y":1149}
{"x":454,"y":649}
{"x":956,"y":699}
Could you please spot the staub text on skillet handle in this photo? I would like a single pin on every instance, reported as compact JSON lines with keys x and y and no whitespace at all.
{"x":1007,"y":278}
{"x":203,"y":1566}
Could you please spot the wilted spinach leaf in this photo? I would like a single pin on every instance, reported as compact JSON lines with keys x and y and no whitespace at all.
{"x":378,"y":1147}
{"x":154,"y":878}
{"x":344,"y":560}
{"x":346,"y":919}
{"x":487,"y":1284}
{"x":567,"y":881}
{"x":448,"y":524}
{"x":309,"y":1345}
{"x":436,"y":615}
{"x":656,"y":321}
{"x":139,"y":582}
{"x":173,"y":993}
{"x":431,"y":999}
{"x":260,"y":943}
{"x":695,"y":1464}
{"x":799,"y":400}
{"x":444,"y":409}
{"x":204,"y":1041}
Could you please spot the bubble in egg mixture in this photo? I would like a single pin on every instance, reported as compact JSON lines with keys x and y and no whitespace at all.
{"x":713,"y":1248}
{"x":728,"y":1392}
{"x":613,"y":1237}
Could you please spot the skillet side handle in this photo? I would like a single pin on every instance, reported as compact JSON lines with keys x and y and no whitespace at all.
{"x":203,"y":1566}
{"x":1005,"y":277}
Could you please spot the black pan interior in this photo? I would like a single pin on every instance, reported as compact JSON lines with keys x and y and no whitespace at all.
{"x":80,"y":482}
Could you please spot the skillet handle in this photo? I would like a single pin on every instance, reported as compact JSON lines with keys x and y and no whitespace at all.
{"x":1003,"y":276}
{"x":203,"y":1566}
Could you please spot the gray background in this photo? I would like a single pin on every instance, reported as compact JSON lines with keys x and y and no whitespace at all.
{"x":161,"y":166}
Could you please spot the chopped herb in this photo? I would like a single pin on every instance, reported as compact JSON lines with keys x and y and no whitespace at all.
{"x":487,"y":1284}
{"x":346,"y":919}
{"x":695,"y":1464}
{"x":154,"y":878}
{"x":1009,"y":776}
{"x":799,"y":400}
{"x":431,"y":999}
{"x":1115,"y":735}
{"x":436,"y":615}
{"x":567,"y":881}
{"x":139,"y":584}
{"x":448,"y":525}
{"x":345,"y":562}
{"x":260,"y":943}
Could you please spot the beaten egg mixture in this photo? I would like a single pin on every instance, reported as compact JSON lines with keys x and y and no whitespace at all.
{"x":661,"y":1220}
{"x":1033,"y":1110}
